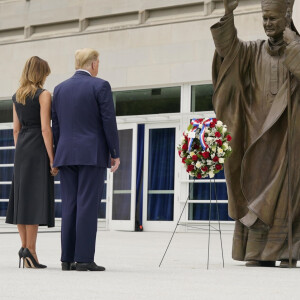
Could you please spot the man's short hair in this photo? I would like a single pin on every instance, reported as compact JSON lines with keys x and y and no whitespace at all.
{"x":85,"y":57}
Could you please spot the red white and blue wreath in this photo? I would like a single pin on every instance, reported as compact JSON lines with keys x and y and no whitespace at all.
{"x":205,"y":147}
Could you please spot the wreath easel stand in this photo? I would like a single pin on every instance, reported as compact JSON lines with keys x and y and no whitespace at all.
{"x":210,"y":226}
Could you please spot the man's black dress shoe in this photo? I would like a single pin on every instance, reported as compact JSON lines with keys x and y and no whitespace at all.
{"x":89,"y":267}
{"x":67,"y":266}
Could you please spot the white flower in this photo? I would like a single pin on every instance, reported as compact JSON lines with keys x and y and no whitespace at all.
{"x":198,"y":165}
{"x":225,"y":146}
{"x":224,"y":129}
{"x":192,"y":153}
{"x":209,"y":139}
{"x":220,"y":151}
{"x":214,"y":148}
{"x":221,"y":160}
{"x":211,"y":174}
{"x":219,"y":124}
{"x":209,"y":162}
{"x":192,"y":135}
{"x":207,"y":130}
{"x":183,"y":139}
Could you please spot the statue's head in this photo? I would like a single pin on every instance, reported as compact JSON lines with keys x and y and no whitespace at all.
{"x":275,"y":14}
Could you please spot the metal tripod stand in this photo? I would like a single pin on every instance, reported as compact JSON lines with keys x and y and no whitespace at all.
{"x":210,"y":227}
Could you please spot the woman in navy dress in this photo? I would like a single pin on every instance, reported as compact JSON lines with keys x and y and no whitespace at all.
{"x":31,"y":202}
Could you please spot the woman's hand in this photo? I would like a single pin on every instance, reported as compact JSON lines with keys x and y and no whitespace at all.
{"x":230,"y":6}
{"x":53,"y":171}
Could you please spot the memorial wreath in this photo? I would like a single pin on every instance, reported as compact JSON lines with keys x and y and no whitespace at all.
{"x":205,"y":147}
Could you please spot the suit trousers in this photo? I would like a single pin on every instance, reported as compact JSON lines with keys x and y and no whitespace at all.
{"x":81,"y":190}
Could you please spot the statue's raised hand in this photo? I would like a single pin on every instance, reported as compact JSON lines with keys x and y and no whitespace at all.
{"x":230,"y":5}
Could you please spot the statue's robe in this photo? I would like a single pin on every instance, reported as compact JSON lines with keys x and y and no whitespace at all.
{"x":251,"y":96}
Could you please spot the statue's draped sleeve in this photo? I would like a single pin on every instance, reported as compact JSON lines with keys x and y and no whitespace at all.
{"x":224,"y":34}
{"x":231,"y":60}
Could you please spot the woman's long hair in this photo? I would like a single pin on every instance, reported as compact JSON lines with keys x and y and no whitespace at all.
{"x":33,"y":77}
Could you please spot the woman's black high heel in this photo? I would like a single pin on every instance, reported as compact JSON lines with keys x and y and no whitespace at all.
{"x":20,"y":253}
{"x":25,"y":262}
{"x":31,"y":260}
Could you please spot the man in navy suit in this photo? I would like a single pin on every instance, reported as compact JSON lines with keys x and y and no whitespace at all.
{"x":86,"y":141}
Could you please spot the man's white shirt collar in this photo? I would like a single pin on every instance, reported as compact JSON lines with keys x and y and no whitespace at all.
{"x":84,"y":71}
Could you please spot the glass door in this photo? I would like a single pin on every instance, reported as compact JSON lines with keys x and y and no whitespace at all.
{"x":160,"y":183}
{"x":7,"y":151}
{"x":122,"y":184}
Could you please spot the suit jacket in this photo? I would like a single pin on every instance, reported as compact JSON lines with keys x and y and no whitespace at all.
{"x":84,"y":122}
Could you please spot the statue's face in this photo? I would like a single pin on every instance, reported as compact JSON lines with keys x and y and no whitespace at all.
{"x":274,"y":23}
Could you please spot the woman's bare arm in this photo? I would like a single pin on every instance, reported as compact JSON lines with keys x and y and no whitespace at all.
{"x":45,"y":104}
{"x":16,"y":125}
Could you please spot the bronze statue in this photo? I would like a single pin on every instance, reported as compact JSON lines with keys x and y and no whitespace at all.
{"x":252,"y":83}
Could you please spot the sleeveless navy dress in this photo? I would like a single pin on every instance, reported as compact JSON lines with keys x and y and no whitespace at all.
{"x":31,"y":198}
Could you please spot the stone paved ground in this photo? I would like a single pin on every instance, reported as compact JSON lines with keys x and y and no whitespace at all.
{"x":132,"y":259}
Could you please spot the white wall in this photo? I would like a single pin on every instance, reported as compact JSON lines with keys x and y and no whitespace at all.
{"x":168,"y":52}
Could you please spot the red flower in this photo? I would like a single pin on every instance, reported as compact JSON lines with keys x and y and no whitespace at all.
{"x":212,"y":125}
{"x":190,"y":168}
{"x":179,"y":153}
{"x":217,"y":134}
{"x":219,"y":167}
{"x":215,"y":120}
{"x":205,"y":154}
{"x":199,"y":176}
{"x":220,"y":143}
{"x":196,"y":146}
{"x":184,"y":159}
{"x":216,"y":158}
{"x":195,"y":157}
{"x":184,"y":147}
{"x":229,"y":138}
{"x":204,"y":169}
{"x":186,"y":138}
